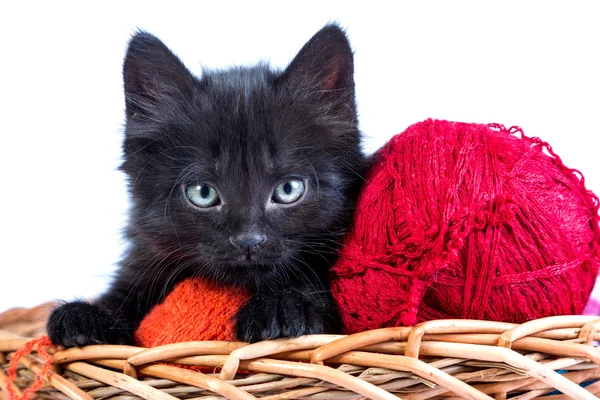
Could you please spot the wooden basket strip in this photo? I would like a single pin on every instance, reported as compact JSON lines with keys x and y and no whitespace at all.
{"x":333,"y":395}
{"x":567,"y":364}
{"x":359,"y":340}
{"x":491,"y":339}
{"x":510,"y":357}
{"x":506,"y":387}
{"x":408,"y":364}
{"x":533,"y":394}
{"x":118,"y":380}
{"x":297,"y":393}
{"x":583,"y":364}
{"x":575,"y":376}
{"x":461,"y":332}
{"x":55,"y":380}
{"x":561,"y":333}
{"x":561,"y":348}
{"x":280,"y":385}
{"x":215,"y":361}
{"x":450,"y":326}
{"x":380,"y":379}
{"x":289,"y":368}
{"x":426,"y":394}
{"x":369,"y":360}
{"x":97,"y":351}
{"x":177,"y":350}
{"x":188,"y":377}
{"x":11,"y":344}
{"x":490,"y":388}
{"x":81,"y":382}
{"x":269,"y":347}
{"x":256,"y":379}
{"x":109,"y":391}
{"x":558,"y":348}
{"x":590,"y":330}
{"x":476,"y":326}
{"x":501,"y":375}
{"x":384,"y":347}
{"x":318,"y":372}
{"x":197,"y":379}
{"x":492,"y":354}
{"x":400,"y":384}
{"x":594,"y":390}
{"x":543,"y":324}
{"x":102,"y":390}
{"x":168,"y":386}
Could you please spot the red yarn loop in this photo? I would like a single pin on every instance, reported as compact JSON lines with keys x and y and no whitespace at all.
{"x":41,"y":344}
{"x":464,"y":220}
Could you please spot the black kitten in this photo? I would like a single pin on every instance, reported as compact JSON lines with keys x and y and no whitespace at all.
{"x":246,"y":176}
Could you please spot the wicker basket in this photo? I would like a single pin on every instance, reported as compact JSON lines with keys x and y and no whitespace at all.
{"x":436,"y":359}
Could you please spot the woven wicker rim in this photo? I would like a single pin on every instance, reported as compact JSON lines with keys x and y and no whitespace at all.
{"x":425,"y":361}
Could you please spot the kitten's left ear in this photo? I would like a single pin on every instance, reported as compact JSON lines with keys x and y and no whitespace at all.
{"x":152,"y":75}
{"x":325,"y":65}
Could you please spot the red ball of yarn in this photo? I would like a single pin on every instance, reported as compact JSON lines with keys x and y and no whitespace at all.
{"x":467,"y":221}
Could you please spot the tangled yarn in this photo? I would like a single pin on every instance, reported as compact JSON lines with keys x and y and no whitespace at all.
{"x":463,"y":220}
{"x":41,"y":345}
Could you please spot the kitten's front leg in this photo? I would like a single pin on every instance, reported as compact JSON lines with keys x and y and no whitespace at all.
{"x":113,"y":318}
{"x":80,"y":323}
{"x":288,"y":312}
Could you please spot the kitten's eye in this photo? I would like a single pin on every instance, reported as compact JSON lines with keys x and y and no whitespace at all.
{"x":289,"y":191}
{"x":202,"y":195}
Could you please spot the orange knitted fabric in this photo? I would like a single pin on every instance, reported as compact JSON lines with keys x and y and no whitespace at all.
{"x":195,"y":310}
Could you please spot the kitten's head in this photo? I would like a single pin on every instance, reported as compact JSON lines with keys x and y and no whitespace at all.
{"x":242,"y":173}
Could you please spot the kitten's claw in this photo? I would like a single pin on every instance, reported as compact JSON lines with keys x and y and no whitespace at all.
{"x":80,"y":324}
{"x":289,"y":314}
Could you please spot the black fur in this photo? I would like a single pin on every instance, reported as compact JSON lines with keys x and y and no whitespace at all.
{"x":243,"y":131}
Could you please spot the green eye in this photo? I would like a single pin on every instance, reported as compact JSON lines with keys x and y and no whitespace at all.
{"x":202,"y":195}
{"x":289,"y":191}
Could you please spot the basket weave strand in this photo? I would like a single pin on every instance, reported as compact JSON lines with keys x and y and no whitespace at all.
{"x":436,"y":359}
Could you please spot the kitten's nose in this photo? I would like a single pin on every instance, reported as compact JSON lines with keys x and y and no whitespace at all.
{"x":248,"y":242}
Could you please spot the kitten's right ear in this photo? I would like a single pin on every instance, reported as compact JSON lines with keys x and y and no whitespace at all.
{"x":152,"y":74}
{"x":325,"y":66}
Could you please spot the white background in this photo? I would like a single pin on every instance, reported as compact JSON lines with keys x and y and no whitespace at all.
{"x":529,"y":63}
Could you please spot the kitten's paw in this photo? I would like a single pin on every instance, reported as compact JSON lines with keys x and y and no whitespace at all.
{"x":289,"y":314}
{"x":79,"y":324}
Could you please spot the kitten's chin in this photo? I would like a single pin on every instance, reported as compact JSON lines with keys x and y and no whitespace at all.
{"x":249,"y":274}
{"x":250,"y":265}
{"x":245,"y":264}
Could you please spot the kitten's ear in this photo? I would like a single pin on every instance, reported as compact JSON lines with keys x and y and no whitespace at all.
{"x":152,"y":74}
{"x":325,"y":64}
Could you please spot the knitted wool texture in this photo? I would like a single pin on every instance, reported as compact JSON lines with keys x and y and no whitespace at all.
{"x":467,"y":221}
{"x":194,"y":310}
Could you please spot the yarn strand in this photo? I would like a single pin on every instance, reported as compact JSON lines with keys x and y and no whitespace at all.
{"x":41,"y":344}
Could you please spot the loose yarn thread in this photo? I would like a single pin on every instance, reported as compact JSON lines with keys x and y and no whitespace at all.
{"x":41,"y":344}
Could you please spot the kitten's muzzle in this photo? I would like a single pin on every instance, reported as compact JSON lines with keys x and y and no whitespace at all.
{"x":248,"y":243}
